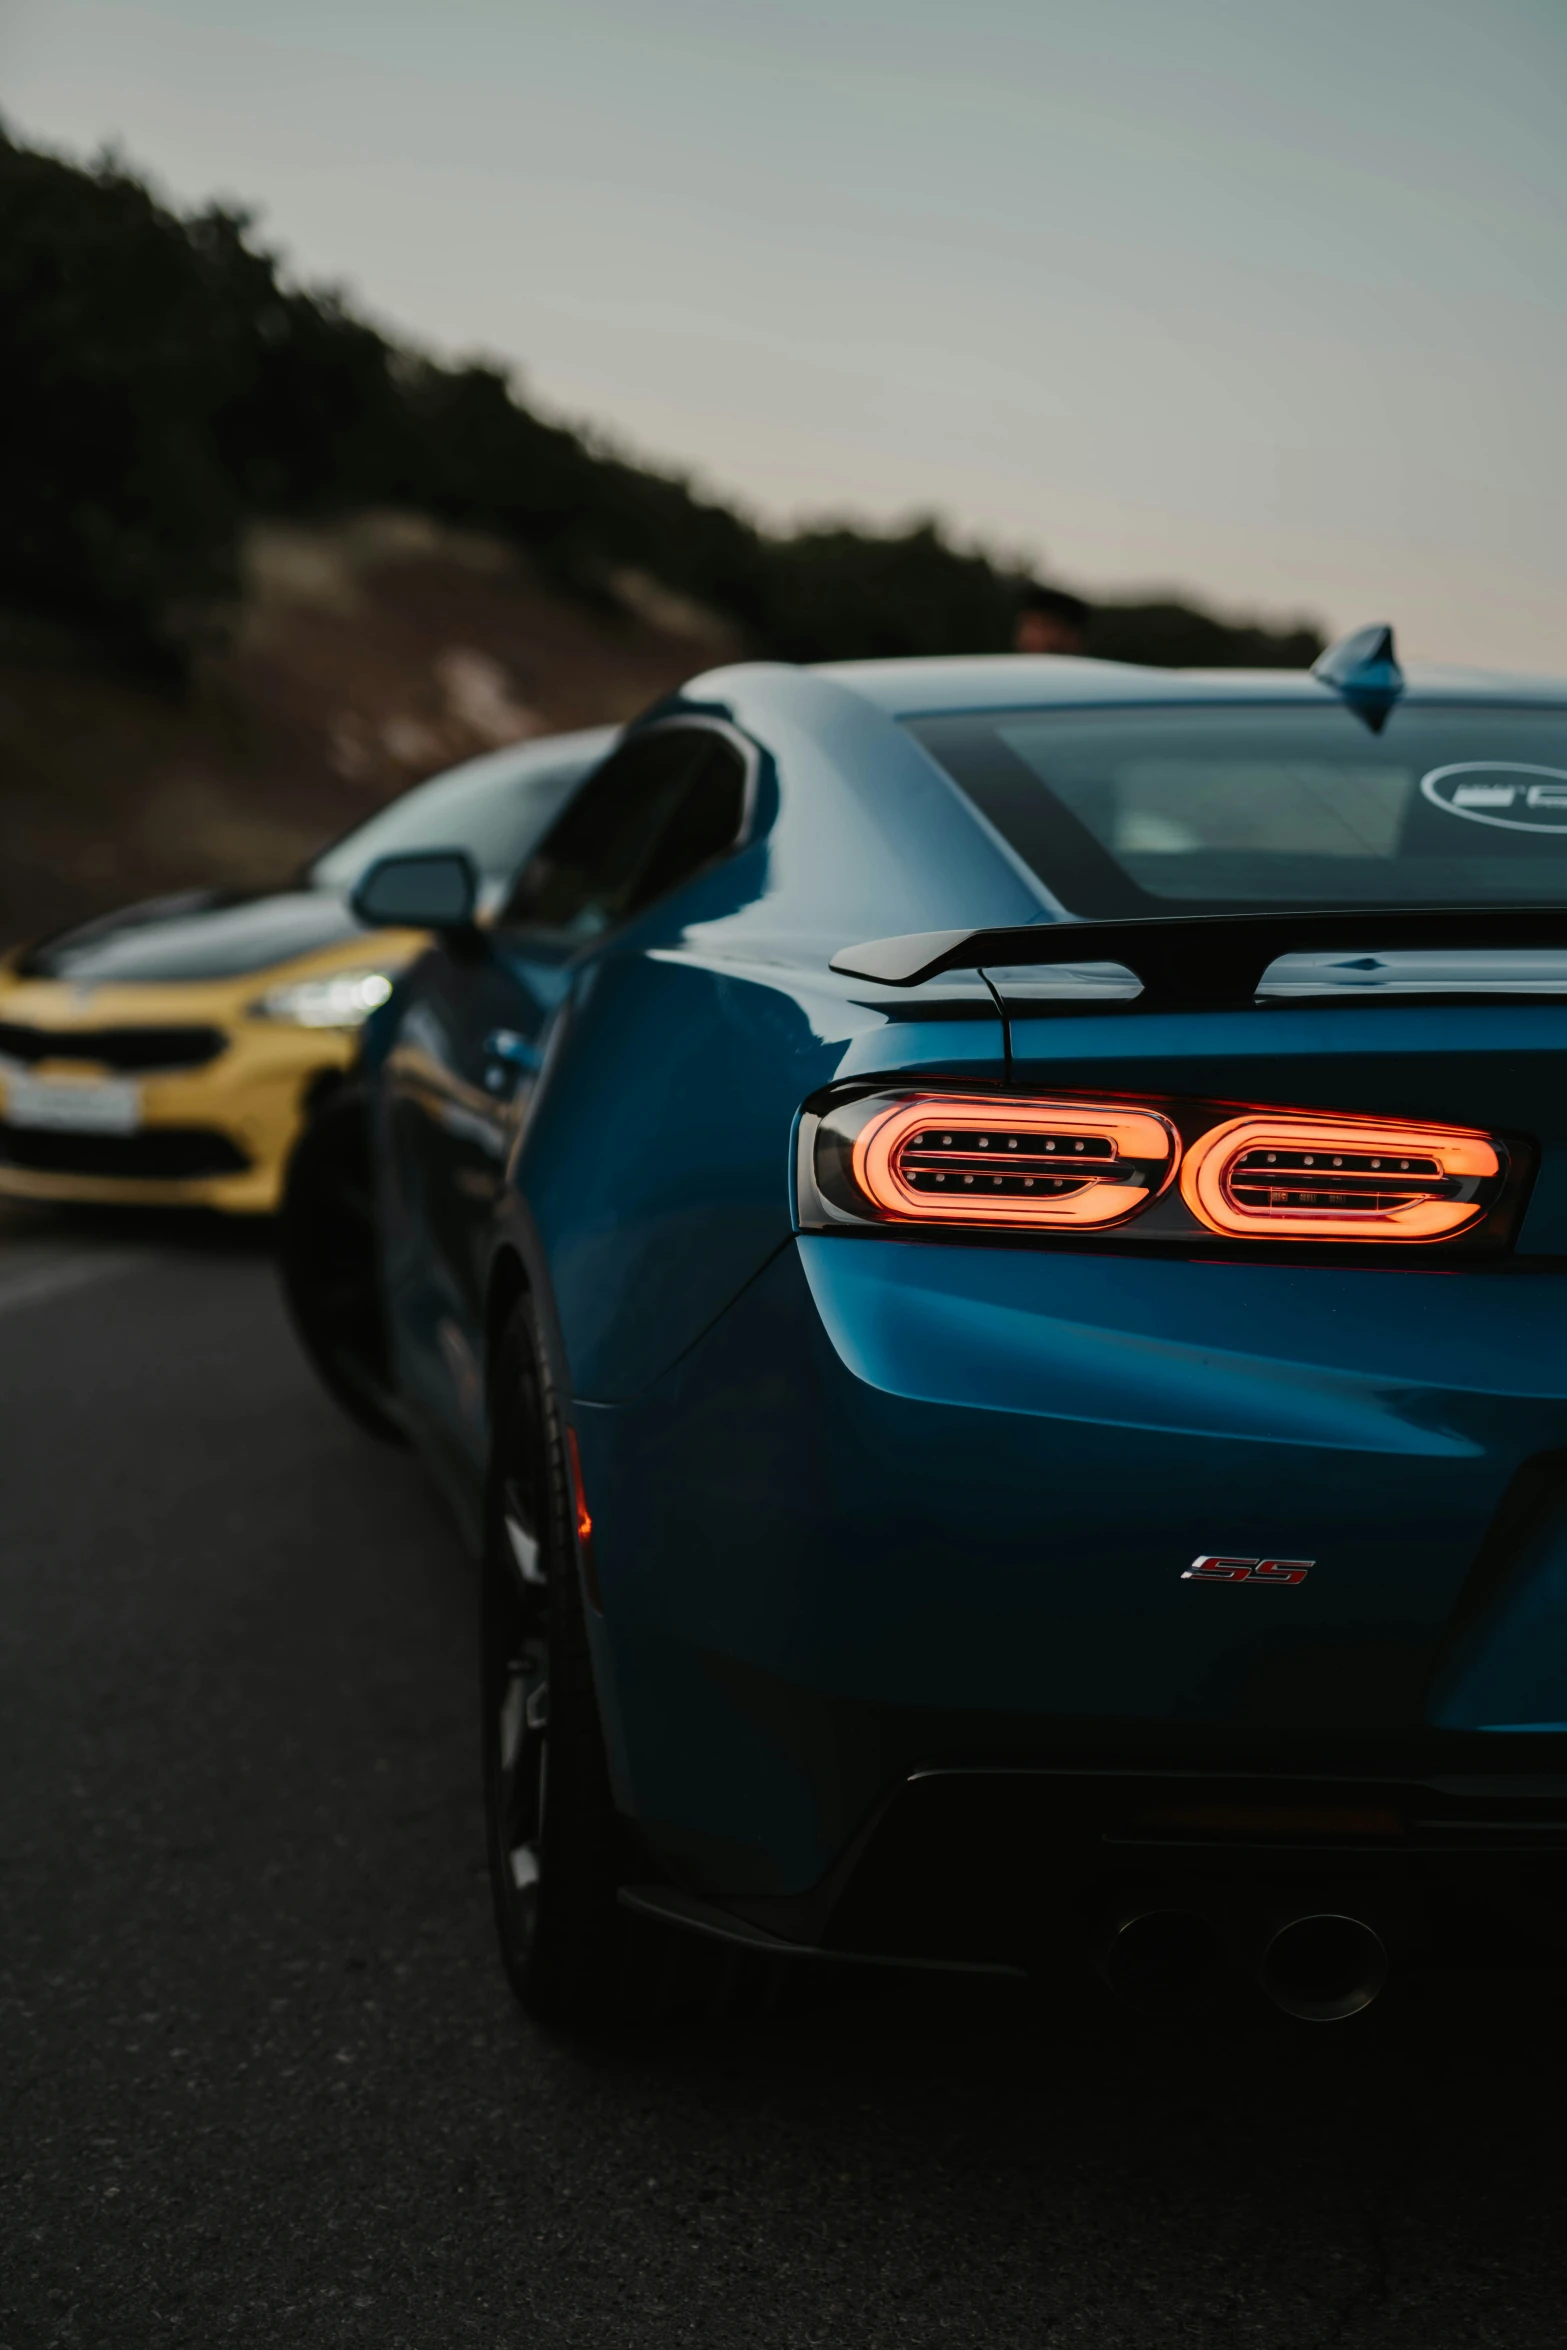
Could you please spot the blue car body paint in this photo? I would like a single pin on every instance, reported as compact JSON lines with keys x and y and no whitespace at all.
{"x":867,"y":1504}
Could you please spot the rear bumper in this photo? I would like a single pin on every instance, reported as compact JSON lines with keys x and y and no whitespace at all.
{"x":1447,"y":1865}
{"x":1013,"y":1871}
{"x":908,"y":1508}
{"x":996,"y":1870}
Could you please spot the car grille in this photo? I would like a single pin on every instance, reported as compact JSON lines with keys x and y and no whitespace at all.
{"x":113,"y":1048}
{"x":159,"y":1154}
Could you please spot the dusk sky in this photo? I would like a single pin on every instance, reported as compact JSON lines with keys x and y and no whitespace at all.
{"x":1257,"y":298}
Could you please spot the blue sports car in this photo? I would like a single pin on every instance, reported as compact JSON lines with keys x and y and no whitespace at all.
{"x":982,"y":1247}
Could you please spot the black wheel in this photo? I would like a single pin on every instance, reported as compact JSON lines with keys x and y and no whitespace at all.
{"x":558,"y":1850}
{"x":329,"y":1262}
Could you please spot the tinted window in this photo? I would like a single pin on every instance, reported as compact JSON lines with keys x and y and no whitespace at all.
{"x":1133,"y":812}
{"x":495,"y":808}
{"x":659,"y":810}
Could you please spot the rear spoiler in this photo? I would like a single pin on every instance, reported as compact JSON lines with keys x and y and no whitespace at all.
{"x":1206,"y":959}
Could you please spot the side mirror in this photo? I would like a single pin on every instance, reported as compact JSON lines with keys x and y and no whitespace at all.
{"x":429,"y":889}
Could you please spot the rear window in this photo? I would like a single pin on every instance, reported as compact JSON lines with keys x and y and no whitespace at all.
{"x":1223,"y":809}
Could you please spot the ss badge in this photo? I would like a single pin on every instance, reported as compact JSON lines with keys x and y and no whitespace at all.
{"x":1223,"y":1570}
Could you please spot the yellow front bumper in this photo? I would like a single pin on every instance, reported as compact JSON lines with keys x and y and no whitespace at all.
{"x":253,"y":1096}
{"x":246,"y":1106}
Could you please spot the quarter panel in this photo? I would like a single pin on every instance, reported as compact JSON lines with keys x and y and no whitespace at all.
{"x":657,"y":1162}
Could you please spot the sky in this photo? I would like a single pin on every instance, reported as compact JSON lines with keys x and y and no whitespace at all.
{"x":1263,"y":299}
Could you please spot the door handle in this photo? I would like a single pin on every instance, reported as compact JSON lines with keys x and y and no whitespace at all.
{"x":505,"y":1045}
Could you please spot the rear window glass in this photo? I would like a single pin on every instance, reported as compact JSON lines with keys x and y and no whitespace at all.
{"x":1148,"y":811}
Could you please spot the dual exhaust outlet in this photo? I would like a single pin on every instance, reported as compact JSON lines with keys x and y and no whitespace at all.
{"x":1321,"y":1966}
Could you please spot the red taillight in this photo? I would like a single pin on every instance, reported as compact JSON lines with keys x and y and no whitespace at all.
{"x":583,"y":1522}
{"x":579,"y":1500}
{"x":1286,"y":1176}
{"x":1036,"y":1163}
{"x":955,"y":1159}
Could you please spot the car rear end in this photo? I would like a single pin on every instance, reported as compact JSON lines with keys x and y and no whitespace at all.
{"x":1254,"y":1512}
{"x":1178,"y":1525}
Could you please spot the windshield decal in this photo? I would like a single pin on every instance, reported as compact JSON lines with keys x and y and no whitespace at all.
{"x":1503,"y":792}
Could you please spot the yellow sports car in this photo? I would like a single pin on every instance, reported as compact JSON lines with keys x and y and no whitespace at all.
{"x":169,"y":1054}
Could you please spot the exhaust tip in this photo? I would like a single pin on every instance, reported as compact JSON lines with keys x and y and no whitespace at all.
{"x":1163,"y":1961}
{"x":1324,"y":1968}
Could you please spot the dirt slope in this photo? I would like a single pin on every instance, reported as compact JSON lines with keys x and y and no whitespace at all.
{"x":361,"y":659}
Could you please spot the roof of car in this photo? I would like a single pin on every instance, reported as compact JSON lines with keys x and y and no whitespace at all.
{"x":1010,"y":681}
{"x":519,"y":759}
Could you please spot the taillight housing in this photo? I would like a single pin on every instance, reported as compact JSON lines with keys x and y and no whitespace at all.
{"x":1284,"y":1176}
{"x":1031,"y":1163}
{"x":1156,"y":1171}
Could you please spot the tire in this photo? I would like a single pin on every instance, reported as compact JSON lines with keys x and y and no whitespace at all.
{"x":558,"y":1850}
{"x":556,"y":1847}
{"x":329,"y":1259}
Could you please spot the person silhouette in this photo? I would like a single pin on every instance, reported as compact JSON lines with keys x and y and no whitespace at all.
{"x":1050,"y":620}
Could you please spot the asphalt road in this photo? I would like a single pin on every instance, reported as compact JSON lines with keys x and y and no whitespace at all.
{"x":263,"y":2083}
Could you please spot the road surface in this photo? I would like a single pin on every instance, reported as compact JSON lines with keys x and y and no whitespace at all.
{"x":263,"y":2083}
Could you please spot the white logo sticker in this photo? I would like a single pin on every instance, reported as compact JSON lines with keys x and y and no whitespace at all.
{"x":1502,"y":792}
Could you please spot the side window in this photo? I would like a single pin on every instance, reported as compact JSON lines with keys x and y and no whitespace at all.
{"x":656,"y":811}
{"x":703,"y":822}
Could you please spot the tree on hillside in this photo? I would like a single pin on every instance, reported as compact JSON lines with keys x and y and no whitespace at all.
{"x":164,"y":385}
{"x":119,"y":507}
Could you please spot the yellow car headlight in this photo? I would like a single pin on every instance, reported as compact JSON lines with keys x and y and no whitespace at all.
{"x":337,"y":999}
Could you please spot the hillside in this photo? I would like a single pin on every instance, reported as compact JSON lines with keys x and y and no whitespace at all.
{"x":359,"y":658}
{"x":264,"y":565}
